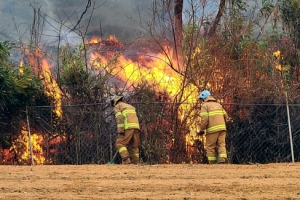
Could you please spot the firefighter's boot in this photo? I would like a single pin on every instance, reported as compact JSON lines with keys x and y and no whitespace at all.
{"x":212,"y":162}
{"x":223,"y":161}
{"x":126,"y":161}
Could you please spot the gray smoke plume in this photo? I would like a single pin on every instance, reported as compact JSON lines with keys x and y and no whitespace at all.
{"x":109,"y":17}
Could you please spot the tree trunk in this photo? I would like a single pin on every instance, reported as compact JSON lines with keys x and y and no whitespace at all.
{"x":178,"y":21}
{"x":217,"y":20}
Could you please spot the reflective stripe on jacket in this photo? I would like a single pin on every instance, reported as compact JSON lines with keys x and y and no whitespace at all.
{"x":126,"y":117}
{"x":212,"y":116}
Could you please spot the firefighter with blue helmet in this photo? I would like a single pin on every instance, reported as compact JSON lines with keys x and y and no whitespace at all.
{"x":213,"y":124}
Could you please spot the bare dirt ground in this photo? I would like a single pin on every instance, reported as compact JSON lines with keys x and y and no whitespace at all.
{"x":183,"y":181}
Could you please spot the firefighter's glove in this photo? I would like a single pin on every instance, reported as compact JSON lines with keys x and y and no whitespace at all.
{"x":201,"y":133}
{"x":122,"y":133}
{"x":112,"y":103}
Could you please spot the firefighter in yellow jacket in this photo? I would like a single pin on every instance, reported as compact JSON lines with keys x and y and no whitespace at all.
{"x":128,"y":128}
{"x":213,"y":121}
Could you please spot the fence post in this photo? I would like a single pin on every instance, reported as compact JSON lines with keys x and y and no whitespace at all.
{"x":29,"y":137}
{"x":289,"y":123}
{"x":110,"y":145}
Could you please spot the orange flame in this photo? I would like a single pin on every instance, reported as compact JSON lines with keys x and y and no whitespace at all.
{"x":51,"y":88}
{"x":94,"y":40}
{"x":113,"y":38}
{"x":50,"y":85}
{"x":155,"y":69}
{"x":23,"y":151}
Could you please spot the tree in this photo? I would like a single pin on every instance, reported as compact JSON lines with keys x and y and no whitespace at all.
{"x":178,"y":21}
{"x":290,"y":45}
{"x":19,"y":89}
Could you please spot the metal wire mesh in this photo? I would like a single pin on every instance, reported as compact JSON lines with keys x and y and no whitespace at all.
{"x":86,"y":134}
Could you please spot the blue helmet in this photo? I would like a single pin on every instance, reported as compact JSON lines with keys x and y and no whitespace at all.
{"x":204,"y":94}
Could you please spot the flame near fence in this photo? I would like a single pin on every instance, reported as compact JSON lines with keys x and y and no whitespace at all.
{"x":86,"y":134}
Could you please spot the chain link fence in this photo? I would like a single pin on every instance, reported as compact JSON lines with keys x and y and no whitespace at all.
{"x":86,"y":134}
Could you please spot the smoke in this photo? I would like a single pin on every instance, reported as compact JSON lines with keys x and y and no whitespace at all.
{"x":109,"y":17}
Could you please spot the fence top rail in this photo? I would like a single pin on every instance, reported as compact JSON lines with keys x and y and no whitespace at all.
{"x":175,"y":103}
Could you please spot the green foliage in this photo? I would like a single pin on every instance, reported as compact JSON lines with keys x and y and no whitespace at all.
{"x":4,"y":51}
{"x":290,"y":13}
{"x":82,"y":84}
{"x":267,"y":8}
{"x":18,"y":90}
{"x":289,"y":59}
{"x":240,"y":5}
{"x":155,"y":124}
{"x":237,"y":7}
{"x":190,"y":30}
